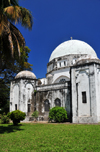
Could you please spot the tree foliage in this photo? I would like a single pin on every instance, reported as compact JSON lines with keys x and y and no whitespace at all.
{"x":4,"y":119}
{"x":11,"y":12}
{"x":12,"y":45}
{"x":4,"y":97}
{"x":58,"y":114}
{"x":16,"y":116}
{"x":35,"y":114}
{"x":8,"y":72}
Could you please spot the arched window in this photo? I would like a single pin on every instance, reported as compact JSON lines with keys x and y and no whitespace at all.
{"x":46,"y":105}
{"x":64,"y":63}
{"x":58,"y":102}
{"x":62,"y":81}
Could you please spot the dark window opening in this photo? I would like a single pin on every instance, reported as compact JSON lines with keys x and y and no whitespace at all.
{"x":47,"y":105}
{"x":64,"y":63}
{"x":84,"y":97}
{"x":57,"y":102}
{"x":60,"y":64}
{"x":15,"y":106}
{"x":62,"y":81}
{"x":29,"y":107}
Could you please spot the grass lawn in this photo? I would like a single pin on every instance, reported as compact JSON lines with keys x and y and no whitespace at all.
{"x":33,"y":137}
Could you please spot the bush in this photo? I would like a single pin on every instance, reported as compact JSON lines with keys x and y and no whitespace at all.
{"x":58,"y":114}
{"x":35,"y":114}
{"x":4,"y":119}
{"x":0,"y":116}
{"x":16,"y":116}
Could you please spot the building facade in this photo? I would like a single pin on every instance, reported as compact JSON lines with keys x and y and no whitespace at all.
{"x":72,"y":81}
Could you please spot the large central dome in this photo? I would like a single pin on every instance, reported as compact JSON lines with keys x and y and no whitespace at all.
{"x":72,"y":47}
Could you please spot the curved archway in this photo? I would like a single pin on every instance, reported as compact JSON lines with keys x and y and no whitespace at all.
{"x":58,"y":102}
{"x":29,"y":90}
{"x":16,"y":96}
{"x":65,"y":78}
{"x":46,"y":105}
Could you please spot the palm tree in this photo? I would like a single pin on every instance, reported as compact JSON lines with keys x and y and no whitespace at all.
{"x":10,"y":37}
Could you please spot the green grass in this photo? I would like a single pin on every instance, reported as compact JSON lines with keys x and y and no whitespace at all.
{"x":49,"y":138}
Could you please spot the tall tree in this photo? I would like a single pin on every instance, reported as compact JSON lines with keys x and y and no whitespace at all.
{"x":10,"y":12}
{"x":12,"y":45}
{"x":9,"y":72}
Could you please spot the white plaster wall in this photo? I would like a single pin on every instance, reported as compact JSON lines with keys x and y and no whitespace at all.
{"x":21,"y":94}
{"x":15,"y":97}
{"x":74,"y":97}
{"x":50,"y":67}
{"x":11,"y":96}
{"x":74,"y":60}
{"x":98,"y":93}
{"x":61,"y":77}
{"x":86,"y":78}
{"x":83,"y":85}
{"x":28,"y":90}
{"x":61,"y":72}
{"x":44,"y":81}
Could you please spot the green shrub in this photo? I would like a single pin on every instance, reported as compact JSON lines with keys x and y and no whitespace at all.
{"x":16,"y":116}
{"x":58,"y":114}
{"x":35,"y":114}
{"x":0,"y":116}
{"x":4,"y":119}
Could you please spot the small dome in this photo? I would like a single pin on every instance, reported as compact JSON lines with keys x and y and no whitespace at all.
{"x":49,"y":75}
{"x":72,"y":47}
{"x":25,"y":74}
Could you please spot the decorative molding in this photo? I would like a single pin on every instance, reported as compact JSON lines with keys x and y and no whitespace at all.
{"x":98,"y":70}
{"x":32,"y":82}
{"x":80,"y":71}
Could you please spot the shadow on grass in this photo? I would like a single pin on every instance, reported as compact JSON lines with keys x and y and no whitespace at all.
{"x":10,"y":128}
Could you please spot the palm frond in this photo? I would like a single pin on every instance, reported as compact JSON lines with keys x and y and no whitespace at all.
{"x":19,"y":15}
{"x":13,"y":13}
{"x":3,"y":22}
{"x":18,"y":34}
{"x":6,"y":3}
{"x":26,"y":18}
{"x":16,"y":46}
{"x":14,"y":2}
{"x":11,"y":44}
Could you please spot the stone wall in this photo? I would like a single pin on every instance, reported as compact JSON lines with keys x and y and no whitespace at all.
{"x":51,"y":93}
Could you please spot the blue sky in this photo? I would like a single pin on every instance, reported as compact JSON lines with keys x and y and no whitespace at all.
{"x":55,"y":21}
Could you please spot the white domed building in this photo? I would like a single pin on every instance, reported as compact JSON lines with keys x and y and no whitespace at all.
{"x":72,"y":81}
{"x":21,"y":91}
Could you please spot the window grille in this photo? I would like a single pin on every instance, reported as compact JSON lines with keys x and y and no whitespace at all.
{"x":62,"y":81}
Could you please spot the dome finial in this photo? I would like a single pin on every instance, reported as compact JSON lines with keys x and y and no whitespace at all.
{"x":71,"y":37}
